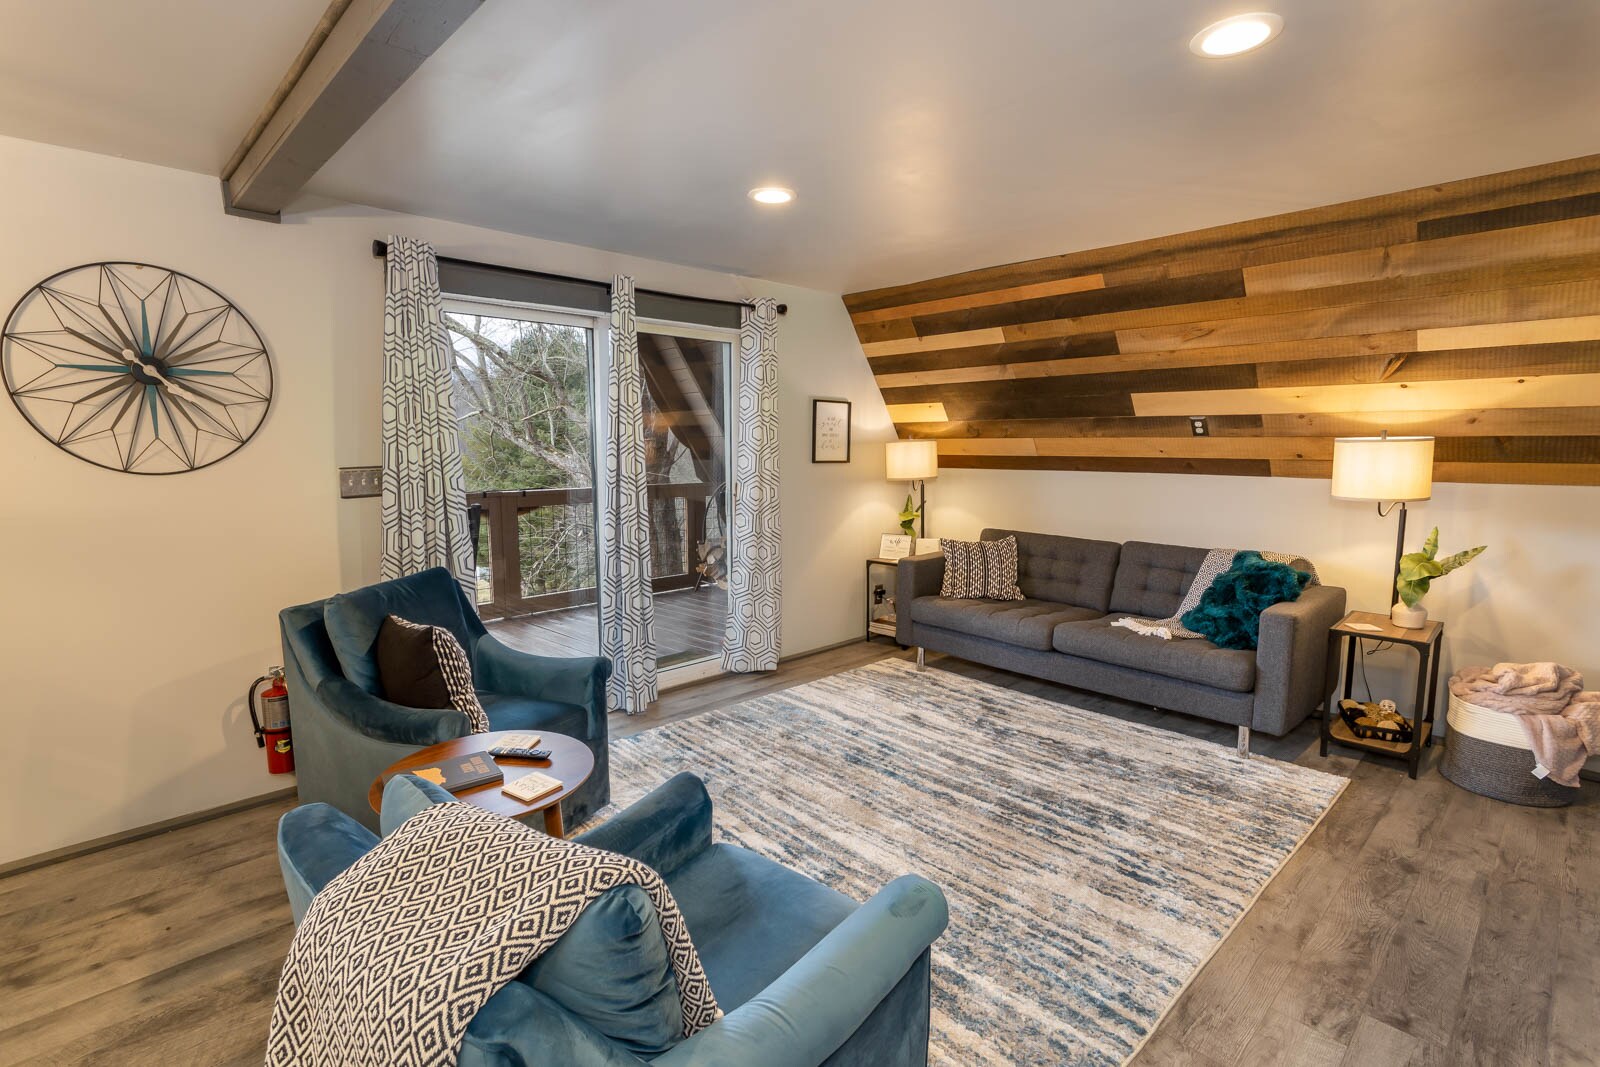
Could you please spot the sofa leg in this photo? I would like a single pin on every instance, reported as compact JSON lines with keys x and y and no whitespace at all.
{"x":1244,"y":742}
{"x":922,"y":658}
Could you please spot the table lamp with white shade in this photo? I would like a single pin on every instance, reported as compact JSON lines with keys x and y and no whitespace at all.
{"x":1392,"y":470}
{"x":914,"y":461}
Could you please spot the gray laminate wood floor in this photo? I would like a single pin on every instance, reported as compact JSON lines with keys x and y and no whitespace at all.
{"x":1420,"y":924}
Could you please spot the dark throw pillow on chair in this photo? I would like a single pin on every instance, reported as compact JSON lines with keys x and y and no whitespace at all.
{"x":426,"y":667}
{"x":1229,"y":613}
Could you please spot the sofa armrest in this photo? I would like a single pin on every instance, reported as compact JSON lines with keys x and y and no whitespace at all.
{"x":915,"y":576}
{"x":1292,"y":660}
{"x":664,"y":830}
{"x":581,"y":680}
{"x":384,"y":721}
{"x":814,"y":1006}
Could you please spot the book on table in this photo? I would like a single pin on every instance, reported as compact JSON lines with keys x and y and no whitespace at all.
{"x":459,"y":772}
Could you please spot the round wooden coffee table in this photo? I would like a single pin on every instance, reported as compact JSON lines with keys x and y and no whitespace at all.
{"x":570,"y":761}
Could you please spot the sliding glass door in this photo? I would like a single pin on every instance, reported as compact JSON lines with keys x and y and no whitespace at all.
{"x":523,"y":401}
{"x":524,"y":394}
{"x":685,"y":371}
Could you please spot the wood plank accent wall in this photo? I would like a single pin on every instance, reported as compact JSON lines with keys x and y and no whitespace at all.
{"x":1470,"y":311}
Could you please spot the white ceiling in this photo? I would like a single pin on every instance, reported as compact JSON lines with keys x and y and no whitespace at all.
{"x":923,"y":136}
{"x":175,"y":82}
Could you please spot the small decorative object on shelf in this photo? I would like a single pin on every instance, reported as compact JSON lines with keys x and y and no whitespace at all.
{"x":1380,"y":721}
{"x":880,"y":594}
{"x":1406,"y":744}
{"x":895,"y":546}
{"x":1417,"y":572}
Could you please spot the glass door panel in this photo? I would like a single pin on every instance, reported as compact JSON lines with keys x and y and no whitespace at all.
{"x":685,"y":373}
{"x":523,"y":404}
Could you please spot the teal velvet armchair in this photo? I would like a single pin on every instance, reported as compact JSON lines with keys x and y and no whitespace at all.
{"x":346,"y":733}
{"x":807,"y":977}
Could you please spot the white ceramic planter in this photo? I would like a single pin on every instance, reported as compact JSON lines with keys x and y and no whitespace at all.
{"x":1408,"y":618}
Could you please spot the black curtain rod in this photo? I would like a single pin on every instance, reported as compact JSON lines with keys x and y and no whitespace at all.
{"x":380,"y":250}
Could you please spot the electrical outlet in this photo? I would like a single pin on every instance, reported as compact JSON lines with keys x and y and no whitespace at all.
{"x":1199,"y":426}
{"x":357,"y":482}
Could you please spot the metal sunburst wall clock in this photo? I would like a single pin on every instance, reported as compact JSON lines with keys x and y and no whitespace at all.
{"x":136,"y":368}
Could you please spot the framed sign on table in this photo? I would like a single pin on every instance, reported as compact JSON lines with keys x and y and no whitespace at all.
{"x":895,"y":546}
{"x":830,"y":431}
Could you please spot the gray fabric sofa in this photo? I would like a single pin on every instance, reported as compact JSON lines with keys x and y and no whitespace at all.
{"x":1076,"y":588}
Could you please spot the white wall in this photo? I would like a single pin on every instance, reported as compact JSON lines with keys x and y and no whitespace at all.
{"x":1534,"y":595}
{"x":138,"y":609}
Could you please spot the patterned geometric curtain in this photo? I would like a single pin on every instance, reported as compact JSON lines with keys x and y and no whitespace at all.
{"x":627,"y":611}
{"x":755,"y":574}
{"x":424,"y":491}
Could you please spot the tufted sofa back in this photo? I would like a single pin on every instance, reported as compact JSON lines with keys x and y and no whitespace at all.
{"x":1152,"y":578}
{"x":1065,"y":570}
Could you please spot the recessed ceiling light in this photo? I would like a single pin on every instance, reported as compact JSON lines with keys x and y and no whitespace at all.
{"x":1236,"y":35}
{"x":771,"y":194}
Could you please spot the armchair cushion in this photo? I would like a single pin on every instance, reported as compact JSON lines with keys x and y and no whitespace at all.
{"x":404,"y":795}
{"x":316,"y":842}
{"x":751,"y":918}
{"x":613,"y":971}
{"x":424,"y":666}
{"x":611,"y":968}
{"x":431,"y":598}
{"x":523,"y":713}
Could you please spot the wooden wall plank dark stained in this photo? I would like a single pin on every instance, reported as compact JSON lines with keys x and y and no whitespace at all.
{"x":1478,"y":300}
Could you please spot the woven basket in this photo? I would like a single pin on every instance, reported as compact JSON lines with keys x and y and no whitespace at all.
{"x":1487,"y":753}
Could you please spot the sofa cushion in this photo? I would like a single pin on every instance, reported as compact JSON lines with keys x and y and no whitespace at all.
{"x":1190,"y":660}
{"x":1151,"y":579}
{"x":1028,"y":623}
{"x":1066,"y":570}
{"x":751,"y":918}
{"x":430,"y":597}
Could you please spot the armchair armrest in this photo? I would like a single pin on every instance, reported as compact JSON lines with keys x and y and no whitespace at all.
{"x":384,"y":721}
{"x":1292,"y":659}
{"x":664,"y":830}
{"x":577,"y":680}
{"x":814,"y":1007}
{"x":915,"y":576}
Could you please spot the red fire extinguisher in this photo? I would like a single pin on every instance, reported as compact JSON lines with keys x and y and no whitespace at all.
{"x":272,"y":726}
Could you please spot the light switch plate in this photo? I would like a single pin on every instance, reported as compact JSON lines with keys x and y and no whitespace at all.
{"x":357,"y":482}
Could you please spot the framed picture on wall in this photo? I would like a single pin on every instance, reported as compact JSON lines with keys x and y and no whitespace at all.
{"x":830,"y":431}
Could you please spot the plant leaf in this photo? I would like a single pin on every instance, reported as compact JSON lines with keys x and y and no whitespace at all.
{"x":1460,"y":559}
{"x":1430,"y":547}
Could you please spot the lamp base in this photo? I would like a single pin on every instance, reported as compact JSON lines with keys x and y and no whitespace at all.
{"x":1408,"y":618}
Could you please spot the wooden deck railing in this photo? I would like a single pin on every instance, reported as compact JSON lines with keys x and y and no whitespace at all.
{"x":539,"y":544}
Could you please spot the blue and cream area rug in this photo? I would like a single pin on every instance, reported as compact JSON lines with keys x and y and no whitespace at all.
{"x":1092,"y":865}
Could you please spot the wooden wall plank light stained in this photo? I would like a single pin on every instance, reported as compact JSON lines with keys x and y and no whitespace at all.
{"x":1468,"y":310}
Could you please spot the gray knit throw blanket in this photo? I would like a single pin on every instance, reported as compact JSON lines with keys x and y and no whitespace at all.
{"x":399,"y":952}
{"x":1216,"y":562}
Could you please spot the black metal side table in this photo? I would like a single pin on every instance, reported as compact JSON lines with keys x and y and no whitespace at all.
{"x":1365,"y":625}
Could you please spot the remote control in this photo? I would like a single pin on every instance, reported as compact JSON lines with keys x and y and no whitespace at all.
{"x":515,"y":752}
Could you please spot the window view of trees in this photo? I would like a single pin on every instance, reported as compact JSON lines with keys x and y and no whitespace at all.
{"x":522,"y":401}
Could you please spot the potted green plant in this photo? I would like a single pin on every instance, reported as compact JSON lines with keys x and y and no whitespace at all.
{"x":1417,"y":572}
{"x":909,"y":516}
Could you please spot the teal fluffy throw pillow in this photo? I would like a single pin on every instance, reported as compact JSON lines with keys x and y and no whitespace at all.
{"x":1229,"y":613}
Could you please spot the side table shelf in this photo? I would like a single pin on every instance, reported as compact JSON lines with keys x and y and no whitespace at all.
{"x":880,"y":597}
{"x":1425,"y":643}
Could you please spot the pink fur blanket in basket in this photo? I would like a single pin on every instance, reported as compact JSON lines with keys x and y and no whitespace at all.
{"x":1560,"y":720}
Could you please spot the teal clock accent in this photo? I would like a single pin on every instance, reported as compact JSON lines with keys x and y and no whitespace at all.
{"x":136,"y":368}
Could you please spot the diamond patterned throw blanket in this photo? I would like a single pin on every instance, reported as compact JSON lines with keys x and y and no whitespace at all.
{"x":398,"y":953}
{"x":1217,"y":561}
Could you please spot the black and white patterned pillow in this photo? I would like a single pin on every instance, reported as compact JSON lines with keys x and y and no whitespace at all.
{"x":985,"y":570}
{"x":424,"y":666}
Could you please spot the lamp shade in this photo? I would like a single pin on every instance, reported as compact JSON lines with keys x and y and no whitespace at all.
{"x":1382,"y":468}
{"x":910,"y":461}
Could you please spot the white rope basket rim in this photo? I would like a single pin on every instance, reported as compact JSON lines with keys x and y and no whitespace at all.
{"x":1486,"y":724}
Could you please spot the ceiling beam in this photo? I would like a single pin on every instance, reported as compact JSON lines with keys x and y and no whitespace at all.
{"x":360,"y":52}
